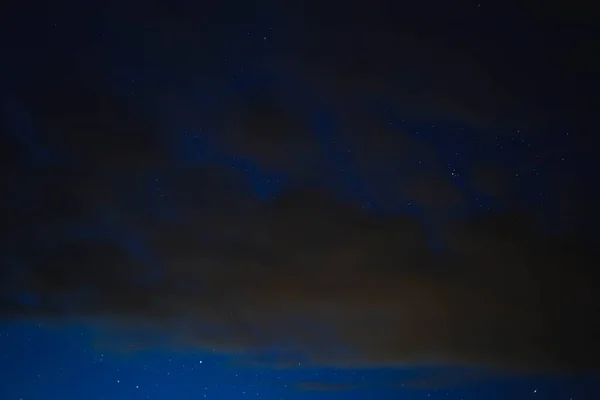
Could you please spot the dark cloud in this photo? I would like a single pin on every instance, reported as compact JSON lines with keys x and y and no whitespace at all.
{"x":332,"y":282}
{"x":422,"y":73}
{"x":119,"y":229}
{"x":490,"y":181}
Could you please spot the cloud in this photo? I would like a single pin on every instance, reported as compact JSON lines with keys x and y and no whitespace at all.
{"x":119,"y":229}
{"x":425,"y":76}
{"x":331,"y":282}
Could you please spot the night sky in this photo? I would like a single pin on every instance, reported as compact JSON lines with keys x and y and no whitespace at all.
{"x":299,"y":200}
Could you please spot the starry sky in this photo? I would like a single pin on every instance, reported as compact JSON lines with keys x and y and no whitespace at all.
{"x":298,"y":200}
